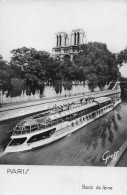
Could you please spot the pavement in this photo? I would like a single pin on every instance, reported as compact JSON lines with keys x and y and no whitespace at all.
{"x":21,"y":103}
{"x":4,"y":105}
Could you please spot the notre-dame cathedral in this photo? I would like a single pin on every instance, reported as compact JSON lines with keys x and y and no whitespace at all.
{"x":69,"y":44}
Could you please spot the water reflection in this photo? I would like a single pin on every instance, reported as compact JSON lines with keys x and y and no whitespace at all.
{"x":97,"y":142}
{"x":106,"y":130}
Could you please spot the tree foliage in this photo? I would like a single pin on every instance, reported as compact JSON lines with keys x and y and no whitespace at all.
{"x":122,"y":57}
{"x":4,"y":75}
{"x":32,"y":69}
{"x":98,"y":64}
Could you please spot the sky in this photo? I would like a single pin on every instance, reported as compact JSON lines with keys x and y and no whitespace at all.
{"x":32,"y":23}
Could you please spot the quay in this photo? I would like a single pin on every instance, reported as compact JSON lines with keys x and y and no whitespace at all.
{"x":19,"y":109}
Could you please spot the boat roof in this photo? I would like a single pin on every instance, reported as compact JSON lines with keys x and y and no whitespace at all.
{"x":47,"y":116}
{"x":35,"y":119}
{"x":102,"y":99}
{"x":27,"y":122}
{"x":68,"y":112}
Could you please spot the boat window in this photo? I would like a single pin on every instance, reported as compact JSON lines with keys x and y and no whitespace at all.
{"x":17,"y":141}
{"x":19,"y":128}
{"x":54,"y":122}
{"x":48,"y":124}
{"x":24,"y":132}
{"x":70,"y":118}
{"x":74,"y":115}
{"x":41,"y":126}
{"x":17,"y":132}
{"x":67,"y":118}
{"x":34,"y":127}
{"x":81,"y":113}
{"x":41,"y":136}
{"x":60,"y":120}
{"x":64,"y":118}
{"x":85,"y":111}
{"x":27,"y":127}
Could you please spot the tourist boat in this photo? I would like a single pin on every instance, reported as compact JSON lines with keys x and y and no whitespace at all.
{"x":49,"y":126}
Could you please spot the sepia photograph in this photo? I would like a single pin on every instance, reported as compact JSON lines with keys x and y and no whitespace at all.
{"x":63,"y":83}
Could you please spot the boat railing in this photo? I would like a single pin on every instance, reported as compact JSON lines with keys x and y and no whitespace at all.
{"x":19,"y":130}
{"x":61,"y":108}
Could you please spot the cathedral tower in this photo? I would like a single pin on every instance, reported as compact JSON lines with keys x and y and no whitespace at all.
{"x":69,"y":44}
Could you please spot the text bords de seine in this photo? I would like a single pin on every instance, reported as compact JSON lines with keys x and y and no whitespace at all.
{"x":97,"y":187}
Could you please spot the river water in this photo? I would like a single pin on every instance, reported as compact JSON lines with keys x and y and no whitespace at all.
{"x":84,"y":147}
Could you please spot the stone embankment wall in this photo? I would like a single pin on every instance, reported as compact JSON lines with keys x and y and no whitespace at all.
{"x":49,"y":91}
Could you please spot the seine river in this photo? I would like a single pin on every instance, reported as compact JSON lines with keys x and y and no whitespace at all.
{"x":84,"y":147}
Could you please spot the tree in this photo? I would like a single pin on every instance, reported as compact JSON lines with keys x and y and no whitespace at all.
{"x":37,"y":67}
{"x":33,"y":62}
{"x":5,"y":78}
{"x":66,"y":68}
{"x":122,"y":57}
{"x":98,"y":64}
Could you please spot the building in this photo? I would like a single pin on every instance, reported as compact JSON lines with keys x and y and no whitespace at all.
{"x":68,"y":44}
